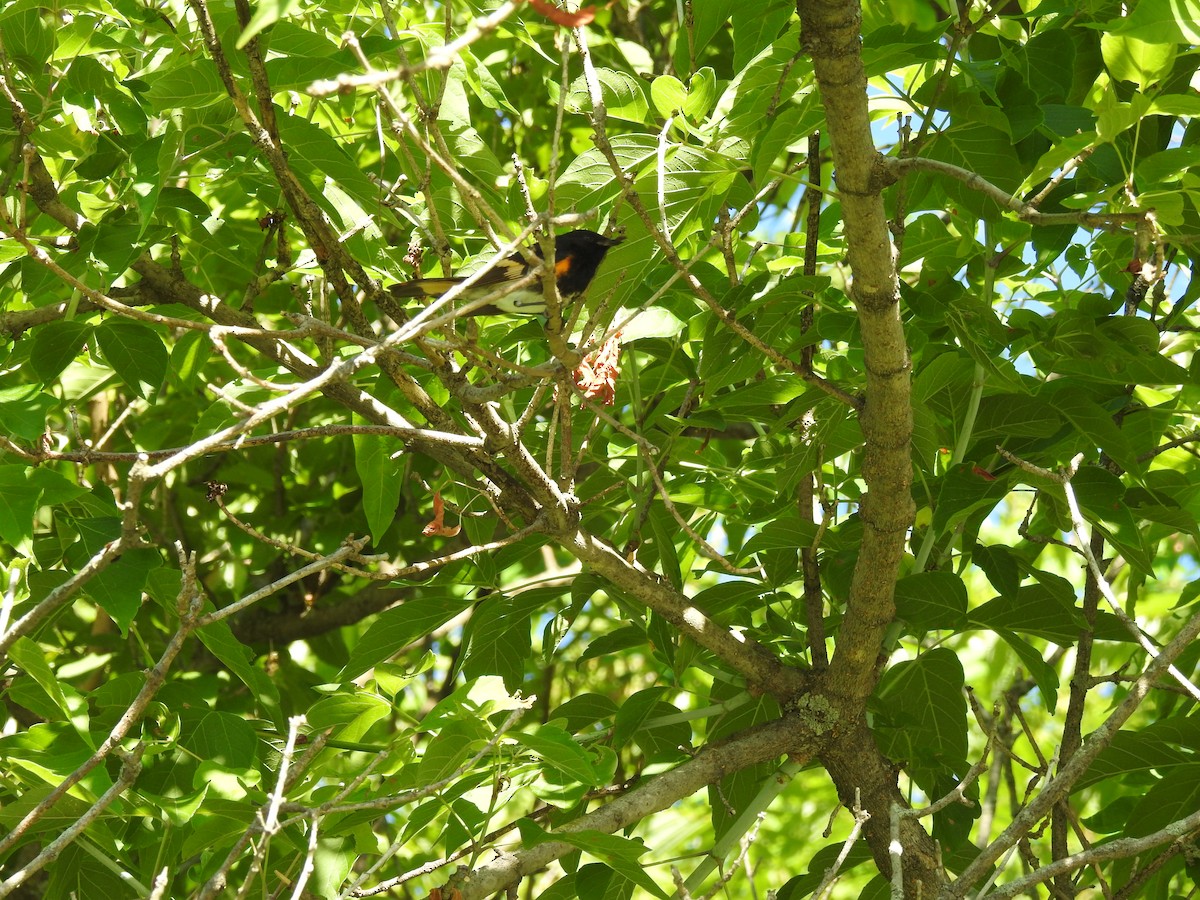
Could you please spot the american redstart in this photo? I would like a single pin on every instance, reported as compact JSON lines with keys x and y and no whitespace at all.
{"x":577,"y":256}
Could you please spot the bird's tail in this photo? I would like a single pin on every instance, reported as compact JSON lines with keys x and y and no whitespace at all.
{"x":424,"y":287}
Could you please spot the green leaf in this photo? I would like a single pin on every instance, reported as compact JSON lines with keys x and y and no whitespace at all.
{"x":614,"y":642}
{"x":1132,"y":59}
{"x":984,"y":151}
{"x":28,"y":39}
{"x":1172,"y":21}
{"x":788,"y":126}
{"x":1046,"y":613}
{"x":65,"y":812}
{"x":446,"y":753}
{"x":188,"y":357}
{"x":227,"y":749}
{"x":755,"y":27}
{"x":1174,"y":105}
{"x":768,"y":393}
{"x":218,"y":639}
{"x":191,"y":86}
{"x":668,"y":94}
{"x":498,"y":636}
{"x":999,"y":564}
{"x":966,"y":491}
{"x":29,"y":657}
{"x":18,"y":503}
{"x":621,"y":854}
{"x":723,"y":600}
{"x":1114,"y":116}
{"x":135,"y":352}
{"x":314,"y":153}
{"x":633,"y":715}
{"x":1101,"y":498}
{"x":819,"y":866}
{"x":180,"y":809}
{"x":1015,"y":415}
{"x":153,"y":162}
{"x":924,"y":699}
{"x":932,"y":600}
{"x":56,"y":489}
{"x":620,"y":91}
{"x":701,"y":94}
{"x":484,"y":84}
{"x":583,"y":710}
{"x":381,"y":479}
{"x":265,"y":15}
{"x":1056,"y":156}
{"x":1175,"y":796}
{"x":1022,"y":106}
{"x":707,"y":22}
{"x":1034,"y":660}
{"x":789,"y":532}
{"x":775,"y":72}
{"x":24,"y":410}
{"x":1138,"y":754}
{"x":118,"y":588}
{"x":654,"y":322}
{"x":558,"y":749}
{"x":55,"y":346}
{"x":397,"y":627}
{"x":1094,"y":422}
{"x":900,"y":44}
{"x":352,"y":715}
{"x":663,"y":737}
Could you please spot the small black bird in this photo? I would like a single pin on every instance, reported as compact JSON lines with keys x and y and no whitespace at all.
{"x":577,"y":256}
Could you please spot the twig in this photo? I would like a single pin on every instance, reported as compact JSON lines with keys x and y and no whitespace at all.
{"x":744,"y":844}
{"x":791,"y":735}
{"x":994,"y":735}
{"x":1026,"y":211}
{"x":898,"y":813}
{"x":62,"y":595}
{"x":814,"y":600}
{"x":101,"y":299}
{"x":1170,"y":445}
{"x":647,"y":451}
{"x":1070,"y":771}
{"x":158,"y":890}
{"x":1068,"y":167}
{"x":662,"y":180}
{"x":1083,"y":547}
{"x":334,"y":258}
{"x":349,"y":548}
{"x":1077,"y":529}
{"x":439,"y":58}
{"x":1122,"y":848}
{"x":131,"y":767}
{"x":89,"y":456}
{"x":599,"y":117}
{"x":271,"y":821}
{"x":491,"y":222}
{"x":189,"y":602}
{"x":338,"y":806}
{"x":962,"y":30}
{"x":860,"y":818}
{"x":216,"y":883}
{"x":10,"y":598}
{"x":268,"y":818}
{"x":310,"y":859}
